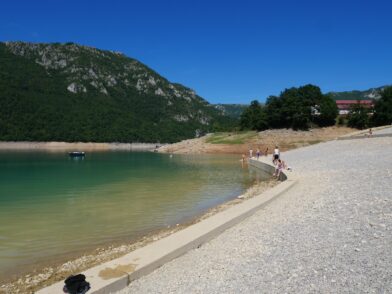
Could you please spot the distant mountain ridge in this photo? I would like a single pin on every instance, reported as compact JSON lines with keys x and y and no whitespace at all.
{"x":70,"y":92}
{"x":231,"y":110}
{"x":372,"y":93}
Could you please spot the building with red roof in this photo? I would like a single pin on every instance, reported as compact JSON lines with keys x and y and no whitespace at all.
{"x":345,"y":105}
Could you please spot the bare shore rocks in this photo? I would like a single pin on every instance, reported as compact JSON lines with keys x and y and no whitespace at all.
{"x":331,"y":233}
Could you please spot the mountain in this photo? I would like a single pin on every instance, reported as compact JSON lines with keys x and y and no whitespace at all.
{"x":69,"y":92}
{"x":373,"y":93}
{"x":231,"y":110}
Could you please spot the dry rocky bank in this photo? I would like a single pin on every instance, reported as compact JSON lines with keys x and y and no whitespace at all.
{"x":286,"y":139}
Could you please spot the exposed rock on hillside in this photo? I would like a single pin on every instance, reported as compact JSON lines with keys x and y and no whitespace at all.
{"x":105,"y":96}
{"x":373,"y":93}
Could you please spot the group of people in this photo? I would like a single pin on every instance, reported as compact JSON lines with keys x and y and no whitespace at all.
{"x":258,"y":153}
{"x":279,"y":164}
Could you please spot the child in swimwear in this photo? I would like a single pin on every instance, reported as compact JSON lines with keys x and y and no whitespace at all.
{"x":278,"y":169}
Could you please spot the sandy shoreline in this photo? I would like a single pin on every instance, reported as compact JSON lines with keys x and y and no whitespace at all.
{"x":287,"y":139}
{"x":47,"y":273}
{"x":82,"y":146}
{"x":240,"y":142}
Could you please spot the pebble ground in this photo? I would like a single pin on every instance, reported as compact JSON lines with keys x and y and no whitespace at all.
{"x":331,"y":233}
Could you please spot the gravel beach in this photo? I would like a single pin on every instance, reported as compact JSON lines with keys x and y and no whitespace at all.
{"x":331,"y":233}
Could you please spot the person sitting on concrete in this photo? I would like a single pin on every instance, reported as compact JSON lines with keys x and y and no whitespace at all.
{"x":278,"y":169}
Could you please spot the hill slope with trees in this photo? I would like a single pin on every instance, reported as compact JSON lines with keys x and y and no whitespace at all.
{"x":69,"y":92}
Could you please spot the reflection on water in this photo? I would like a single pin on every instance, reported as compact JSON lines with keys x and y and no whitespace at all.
{"x":51,"y":204}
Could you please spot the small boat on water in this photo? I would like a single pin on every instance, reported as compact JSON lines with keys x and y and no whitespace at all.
{"x":77,"y":154}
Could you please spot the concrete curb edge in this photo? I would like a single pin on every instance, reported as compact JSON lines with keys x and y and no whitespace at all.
{"x":121,"y":271}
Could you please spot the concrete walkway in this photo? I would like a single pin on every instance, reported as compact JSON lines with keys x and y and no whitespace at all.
{"x":331,"y":233}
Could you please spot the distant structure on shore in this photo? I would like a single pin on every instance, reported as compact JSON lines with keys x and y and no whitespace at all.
{"x":345,"y":105}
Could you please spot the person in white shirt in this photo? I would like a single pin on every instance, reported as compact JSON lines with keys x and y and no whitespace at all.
{"x":276,"y":154}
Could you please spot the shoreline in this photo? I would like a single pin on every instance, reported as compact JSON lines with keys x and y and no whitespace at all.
{"x":331,"y":232}
{"x":45,"y":276}
{"x":287,"y":139}
{"x":240,"y":142}
{"x":147,"y":239}
{"x":47,"y":273}
{"x":68,"y":146}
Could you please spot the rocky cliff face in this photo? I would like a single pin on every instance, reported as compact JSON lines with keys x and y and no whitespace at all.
{"x":83,"y":71}
{"x":373,"y":93}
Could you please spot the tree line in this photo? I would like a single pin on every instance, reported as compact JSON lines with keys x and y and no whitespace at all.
{"x":296,"y":108}
{"x":304,"y":107}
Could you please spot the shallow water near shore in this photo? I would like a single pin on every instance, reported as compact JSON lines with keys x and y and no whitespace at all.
{"x":52,"y":205}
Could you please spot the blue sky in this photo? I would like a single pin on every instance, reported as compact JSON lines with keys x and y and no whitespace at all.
{"x":228,"y":51}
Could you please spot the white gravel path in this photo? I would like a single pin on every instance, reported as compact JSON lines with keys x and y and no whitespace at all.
{"x":331,"y":233}
{"x":385,"y":131}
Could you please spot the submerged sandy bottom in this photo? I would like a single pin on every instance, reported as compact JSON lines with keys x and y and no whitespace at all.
{"x":57,"y":269}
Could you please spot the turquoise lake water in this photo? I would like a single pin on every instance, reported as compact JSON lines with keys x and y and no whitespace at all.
{"x":52,"y":205}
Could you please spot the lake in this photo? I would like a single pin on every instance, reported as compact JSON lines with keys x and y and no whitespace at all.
{"x":52,"y":205}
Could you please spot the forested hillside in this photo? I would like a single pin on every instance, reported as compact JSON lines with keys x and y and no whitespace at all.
{"x":68,"y":92}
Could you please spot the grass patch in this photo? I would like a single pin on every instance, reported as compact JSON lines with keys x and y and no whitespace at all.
{"x":311,"y":142}
{"x":231,"y":138}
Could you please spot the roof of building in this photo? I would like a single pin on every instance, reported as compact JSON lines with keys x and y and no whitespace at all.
{"x":354,"y":101}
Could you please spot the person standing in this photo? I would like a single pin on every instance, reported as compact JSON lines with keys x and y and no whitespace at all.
{"x":250,"y":153}
{"x":276,"y":154}
{"x":258,"y":153}
{"x":243,"y":160}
